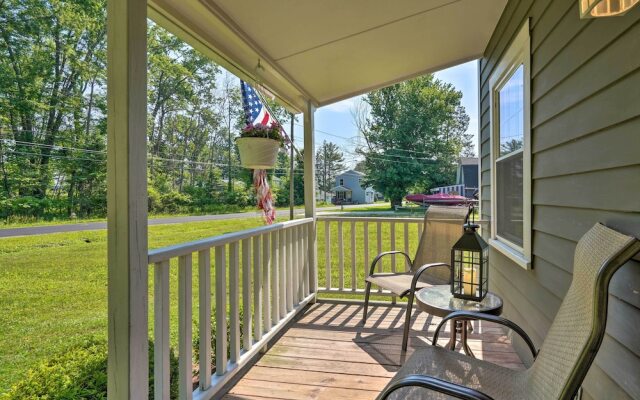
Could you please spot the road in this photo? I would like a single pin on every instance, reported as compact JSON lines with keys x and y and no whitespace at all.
{"x":92,"y":226}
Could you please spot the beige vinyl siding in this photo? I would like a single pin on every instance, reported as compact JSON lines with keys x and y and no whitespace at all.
{"x":585,"y":166}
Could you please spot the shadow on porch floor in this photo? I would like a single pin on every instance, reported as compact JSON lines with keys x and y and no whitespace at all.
{"x":327,"y":354}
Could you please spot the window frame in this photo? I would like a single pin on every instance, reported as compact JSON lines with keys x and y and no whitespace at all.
{"x":518,"y":53}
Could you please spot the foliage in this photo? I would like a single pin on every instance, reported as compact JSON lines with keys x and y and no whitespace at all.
{"x":329,"y":162}
{"x":53,"y":116}
{"x":272,"y":131}
{"x":414,"y":136}
{"x":79,"y":372}
{"x":283,"y":189}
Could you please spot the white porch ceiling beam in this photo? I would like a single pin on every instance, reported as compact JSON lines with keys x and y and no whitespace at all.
{"x":128,"y":358}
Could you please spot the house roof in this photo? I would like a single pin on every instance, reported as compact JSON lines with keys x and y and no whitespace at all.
{"x":340,"y":188}
{"x":326,"y":51}
{"x":468,"y":160}
{"x":351,"y":172}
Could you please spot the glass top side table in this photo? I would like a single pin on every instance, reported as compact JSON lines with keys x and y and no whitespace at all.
{"x":438,"y":300}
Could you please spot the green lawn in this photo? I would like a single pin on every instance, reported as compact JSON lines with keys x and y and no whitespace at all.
{"x":53,"y":288}
{"x":19,"y":222}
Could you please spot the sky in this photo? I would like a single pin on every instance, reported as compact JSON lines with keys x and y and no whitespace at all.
{"x":334,"y":122}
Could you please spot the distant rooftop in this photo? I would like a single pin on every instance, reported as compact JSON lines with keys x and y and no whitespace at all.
{"x":468,"y":160}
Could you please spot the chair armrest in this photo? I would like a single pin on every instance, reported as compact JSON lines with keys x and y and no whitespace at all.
{"x":469,"y":315}
{"x":435,"y":384}
{"x":388,"y":253}
{"x":422,"y":270}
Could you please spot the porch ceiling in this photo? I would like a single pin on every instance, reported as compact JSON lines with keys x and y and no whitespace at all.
{"x":329,"y":50}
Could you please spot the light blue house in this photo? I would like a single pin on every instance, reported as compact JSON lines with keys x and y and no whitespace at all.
{"x":349,"y":190}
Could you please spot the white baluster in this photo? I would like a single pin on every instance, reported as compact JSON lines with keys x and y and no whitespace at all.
{"x":282,"y":272}
{"x":221,"y":310}
{"x":246,"y":294}
{"x":161,"y":330}
{"x":327,"y":254}
{"x":393,"y":246}
{"x":365,"y":238}
{"x":266,"y":281}
{"x":234,"y":301}
{"x":406,"y":244}
{"x":204,"y":310}
{"x":257,"y":288}
{"x":275,"y":290}
{"x":340,"y":257}
{"x":185,"y":374}
{"x":295,"y":264}
{"x":354,"y":285}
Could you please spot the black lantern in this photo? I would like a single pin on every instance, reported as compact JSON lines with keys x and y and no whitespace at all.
{"x":470,"y":264}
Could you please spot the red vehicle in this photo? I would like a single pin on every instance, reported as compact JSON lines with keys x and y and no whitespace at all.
{"x":440,"y":198}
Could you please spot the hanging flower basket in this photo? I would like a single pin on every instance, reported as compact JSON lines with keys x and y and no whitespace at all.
{"x":258,"y":146}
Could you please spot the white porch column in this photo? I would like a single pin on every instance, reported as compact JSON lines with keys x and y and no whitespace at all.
{"x":310,"y":192}
{"x":127,"y":199}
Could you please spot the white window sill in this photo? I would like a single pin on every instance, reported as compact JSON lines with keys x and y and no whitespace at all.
{"x":512,"y":254}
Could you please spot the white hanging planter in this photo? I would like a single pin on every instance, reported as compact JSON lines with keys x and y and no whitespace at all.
{"x":258,"y":152}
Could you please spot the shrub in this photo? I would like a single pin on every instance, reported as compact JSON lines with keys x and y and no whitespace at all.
{"x":173,"y":201}
{"x":79,"y":373}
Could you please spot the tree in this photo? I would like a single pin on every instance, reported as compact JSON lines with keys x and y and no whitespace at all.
{"x":414,"y":134}
{"x":329,"y":162}
{"x":282,"y":198}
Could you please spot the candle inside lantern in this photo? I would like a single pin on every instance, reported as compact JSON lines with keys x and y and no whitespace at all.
{"x":467,"y":287}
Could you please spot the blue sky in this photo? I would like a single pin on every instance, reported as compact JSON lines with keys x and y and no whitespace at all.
{"x":335,"y":124}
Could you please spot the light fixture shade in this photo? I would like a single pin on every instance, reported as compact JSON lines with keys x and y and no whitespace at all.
{"x":605,"y":8}
{"x":470,"y":266}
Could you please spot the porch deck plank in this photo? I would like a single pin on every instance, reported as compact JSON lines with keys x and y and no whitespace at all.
{"x":328,"y":354}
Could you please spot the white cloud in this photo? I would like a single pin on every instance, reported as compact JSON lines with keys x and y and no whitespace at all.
{"x":342,"y":106}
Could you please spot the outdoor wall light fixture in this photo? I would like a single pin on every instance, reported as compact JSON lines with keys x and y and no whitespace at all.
{"x":605,"y":8}
{"x":470,"y":264}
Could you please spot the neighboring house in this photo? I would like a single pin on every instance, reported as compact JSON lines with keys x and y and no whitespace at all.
{"x":466,"y":179}
{"x":349,"y":189}
{"x":467,"y":175}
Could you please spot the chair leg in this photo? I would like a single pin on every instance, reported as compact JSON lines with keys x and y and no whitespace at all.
{"x":366,"y":303}
{"x":407,"y":322}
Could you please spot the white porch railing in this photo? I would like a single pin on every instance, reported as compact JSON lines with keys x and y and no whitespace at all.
{"x":269,"y":277}
{"x":458,"y":189}
{"x":344,"y":263}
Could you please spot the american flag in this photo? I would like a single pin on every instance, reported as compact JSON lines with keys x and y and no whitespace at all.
{"x":255,"y":111}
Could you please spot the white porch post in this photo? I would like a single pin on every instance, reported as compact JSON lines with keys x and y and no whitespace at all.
{"x":310,"y":192}
{"x":127,"y":199}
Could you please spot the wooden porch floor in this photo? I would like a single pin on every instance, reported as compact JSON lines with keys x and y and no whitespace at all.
{"x":328,"y":354}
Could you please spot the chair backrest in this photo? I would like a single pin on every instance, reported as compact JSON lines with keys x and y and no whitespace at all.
{"x":579,"y":326}
{"x":443,"y":226}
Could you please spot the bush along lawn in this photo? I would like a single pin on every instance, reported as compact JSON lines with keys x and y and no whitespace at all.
{"x":80,"y":372}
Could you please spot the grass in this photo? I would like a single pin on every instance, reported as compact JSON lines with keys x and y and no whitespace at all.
{"x":19,"y":222}
{"x":53,"y":288}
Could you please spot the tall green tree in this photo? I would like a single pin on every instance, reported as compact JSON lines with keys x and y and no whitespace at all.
{"x":52,"y":72}
{"x":413,"y":135}
{"x":329,"y":162}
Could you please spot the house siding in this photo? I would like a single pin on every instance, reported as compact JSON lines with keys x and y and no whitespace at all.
{"x":585,"y":167}
{"x":351,"y":180}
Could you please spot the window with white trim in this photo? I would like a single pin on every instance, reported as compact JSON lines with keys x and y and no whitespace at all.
{"x":510,"y":151}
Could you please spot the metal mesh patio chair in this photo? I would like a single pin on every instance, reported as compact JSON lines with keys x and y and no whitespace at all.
{"x":442,"y":228}
{"x":564,"y":358}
